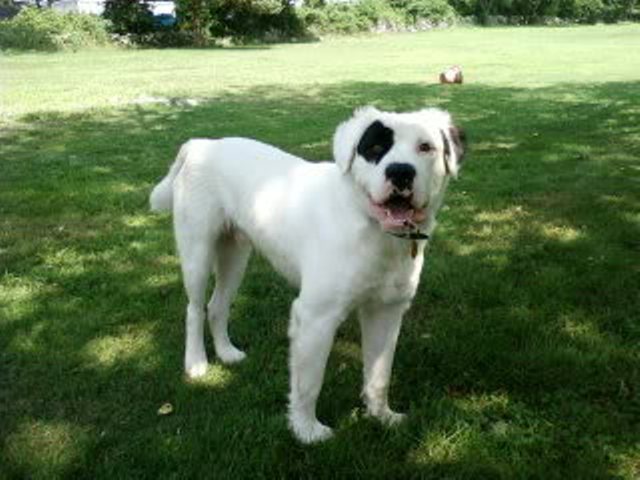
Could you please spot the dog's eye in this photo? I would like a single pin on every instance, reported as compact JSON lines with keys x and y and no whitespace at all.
{"x":376,"y":150}
{"x":425,"y":148}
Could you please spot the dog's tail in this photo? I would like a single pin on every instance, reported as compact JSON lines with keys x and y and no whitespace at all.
{"x":161,"y":198}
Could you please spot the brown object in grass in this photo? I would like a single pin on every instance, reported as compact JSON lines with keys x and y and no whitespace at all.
{"x":451,"y":75}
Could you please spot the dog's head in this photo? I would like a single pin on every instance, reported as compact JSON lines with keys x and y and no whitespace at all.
{"x":400,"y":161}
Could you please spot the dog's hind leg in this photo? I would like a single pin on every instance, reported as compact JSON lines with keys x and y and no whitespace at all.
{"x":196,"y":231}
{"x":232,"y":252}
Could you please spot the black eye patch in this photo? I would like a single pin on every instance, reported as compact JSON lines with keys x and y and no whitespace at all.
{"x":375,"y":142}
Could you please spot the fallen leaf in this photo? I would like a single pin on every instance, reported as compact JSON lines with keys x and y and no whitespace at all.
{"x":166,"y":409}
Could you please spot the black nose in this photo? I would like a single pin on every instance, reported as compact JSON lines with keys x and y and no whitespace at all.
{"x":400,"y":175}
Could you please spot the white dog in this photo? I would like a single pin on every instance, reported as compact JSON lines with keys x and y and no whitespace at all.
{"x":350,"y":235}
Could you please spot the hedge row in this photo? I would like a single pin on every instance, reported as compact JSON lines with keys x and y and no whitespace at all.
{"x":260,"y":19}
{"x":376,"y":15}
{"x":202,"y":21}
{"x":403,"y":14}
{"x":535,"y":11}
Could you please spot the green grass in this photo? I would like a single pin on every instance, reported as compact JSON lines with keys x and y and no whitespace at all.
{"x":519,"y":359}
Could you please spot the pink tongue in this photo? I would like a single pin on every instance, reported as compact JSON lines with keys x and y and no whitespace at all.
{"x":393,"y":218}
{"x":400,"y":213}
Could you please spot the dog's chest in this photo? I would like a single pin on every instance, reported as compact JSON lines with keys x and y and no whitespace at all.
{"x":390,"y":278}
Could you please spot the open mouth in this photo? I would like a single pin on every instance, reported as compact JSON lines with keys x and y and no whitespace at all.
{"x":397,"y":213}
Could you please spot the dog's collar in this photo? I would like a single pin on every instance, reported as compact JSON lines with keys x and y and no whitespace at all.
{"x":411,"y":235}
{"x":414,"y":237}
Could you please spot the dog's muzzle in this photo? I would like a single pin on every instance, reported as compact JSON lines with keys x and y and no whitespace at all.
{"x":400,"y":175}
{"x":398,"y":214}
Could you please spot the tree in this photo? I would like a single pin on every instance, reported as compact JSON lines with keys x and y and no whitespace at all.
{"x":129,"y":16}
{"x":195,"y":17}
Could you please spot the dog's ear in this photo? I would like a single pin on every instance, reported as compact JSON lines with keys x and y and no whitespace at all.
{"x":453,"y":138}
{"x":455,"y":146}
{"x":348,"y":134}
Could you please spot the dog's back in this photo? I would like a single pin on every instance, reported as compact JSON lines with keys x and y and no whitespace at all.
{"x":211,"y":162}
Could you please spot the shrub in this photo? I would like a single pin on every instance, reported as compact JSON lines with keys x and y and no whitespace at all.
{"x":379,"y":13}
{"x":433,"y":11}
{"x":49,"y":30}
{"x":163,"y":38}
{"x":465,"y":8}
{"x":195,"y":19}
{"x":533,"y":11}
{"x":482,"y":10}
{"x":368,"y":15}
{"x":339,"y":18}
{"x":622,"y":9}
{"x":255,"y":19}
{"x":587,"y":11}
{"x":240,"y":20}
{"x":129,"y":16}
{"x":591,"y":11}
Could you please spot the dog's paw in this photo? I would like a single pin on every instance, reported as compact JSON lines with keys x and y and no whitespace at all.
{"x":309,"y":431}
{"x":230,"y":354}
{"x":392,"y":418}
{"x":195,"y":363}
{"x":195,"y":360}
{"x":388,"y":417}
{"x":197,"y":369}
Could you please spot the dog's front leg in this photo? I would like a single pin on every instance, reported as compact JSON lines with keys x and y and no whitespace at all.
{"x":380,"y":326}
{"x":312,"y":330}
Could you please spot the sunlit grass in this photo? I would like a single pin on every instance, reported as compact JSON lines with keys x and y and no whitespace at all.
{"x":507,"y":57}
{"x":47,"y":449}
{"x":218,"y":376}
{"x":108,"y":350}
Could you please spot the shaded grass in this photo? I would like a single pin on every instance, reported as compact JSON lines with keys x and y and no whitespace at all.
{"x":519,"y":358}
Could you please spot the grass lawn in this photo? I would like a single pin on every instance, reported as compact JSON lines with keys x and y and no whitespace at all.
{"x":520,"y":357}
